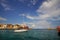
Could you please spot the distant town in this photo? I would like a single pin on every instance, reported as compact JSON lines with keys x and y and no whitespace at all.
{"x":16,"y":26}
{"x":13,"y":27}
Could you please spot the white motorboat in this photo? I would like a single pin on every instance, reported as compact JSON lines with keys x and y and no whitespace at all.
{"x":21,"y":30}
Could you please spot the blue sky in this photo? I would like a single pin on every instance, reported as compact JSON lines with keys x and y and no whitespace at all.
{"x":34,"y":13}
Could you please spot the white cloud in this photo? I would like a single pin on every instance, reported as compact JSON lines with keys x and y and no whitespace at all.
{"x":33,"y":2}
{"x":4,"y":19}
{"x":39,"y":24}
{"x":49,"y":9}
{"x":36,"y":17}
{"x":5,"y":5}
{"x":32,"y":25}
{"x":30,"y":17}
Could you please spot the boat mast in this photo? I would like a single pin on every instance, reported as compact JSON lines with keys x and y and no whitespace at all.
{"x":23,"y":19}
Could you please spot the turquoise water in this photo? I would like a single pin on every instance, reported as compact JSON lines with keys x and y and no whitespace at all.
{"x":29,"y":35}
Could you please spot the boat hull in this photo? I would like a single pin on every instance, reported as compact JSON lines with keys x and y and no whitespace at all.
{"x":22,"y":30}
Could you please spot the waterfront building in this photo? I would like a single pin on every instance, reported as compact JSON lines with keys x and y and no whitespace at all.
{"x":16,"y":26}
{"x":24,"y":26}
{"x":9,"y":26}
{"x":3,"y":26}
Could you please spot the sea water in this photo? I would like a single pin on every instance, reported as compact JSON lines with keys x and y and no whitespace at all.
{"x":35,"y":34}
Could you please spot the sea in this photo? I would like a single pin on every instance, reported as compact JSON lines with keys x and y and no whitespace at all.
{"x":34,"y":34}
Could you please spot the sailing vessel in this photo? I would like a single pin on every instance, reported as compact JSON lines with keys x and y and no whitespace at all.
{"x":21,"y":30}
{"x":24,"y":27}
